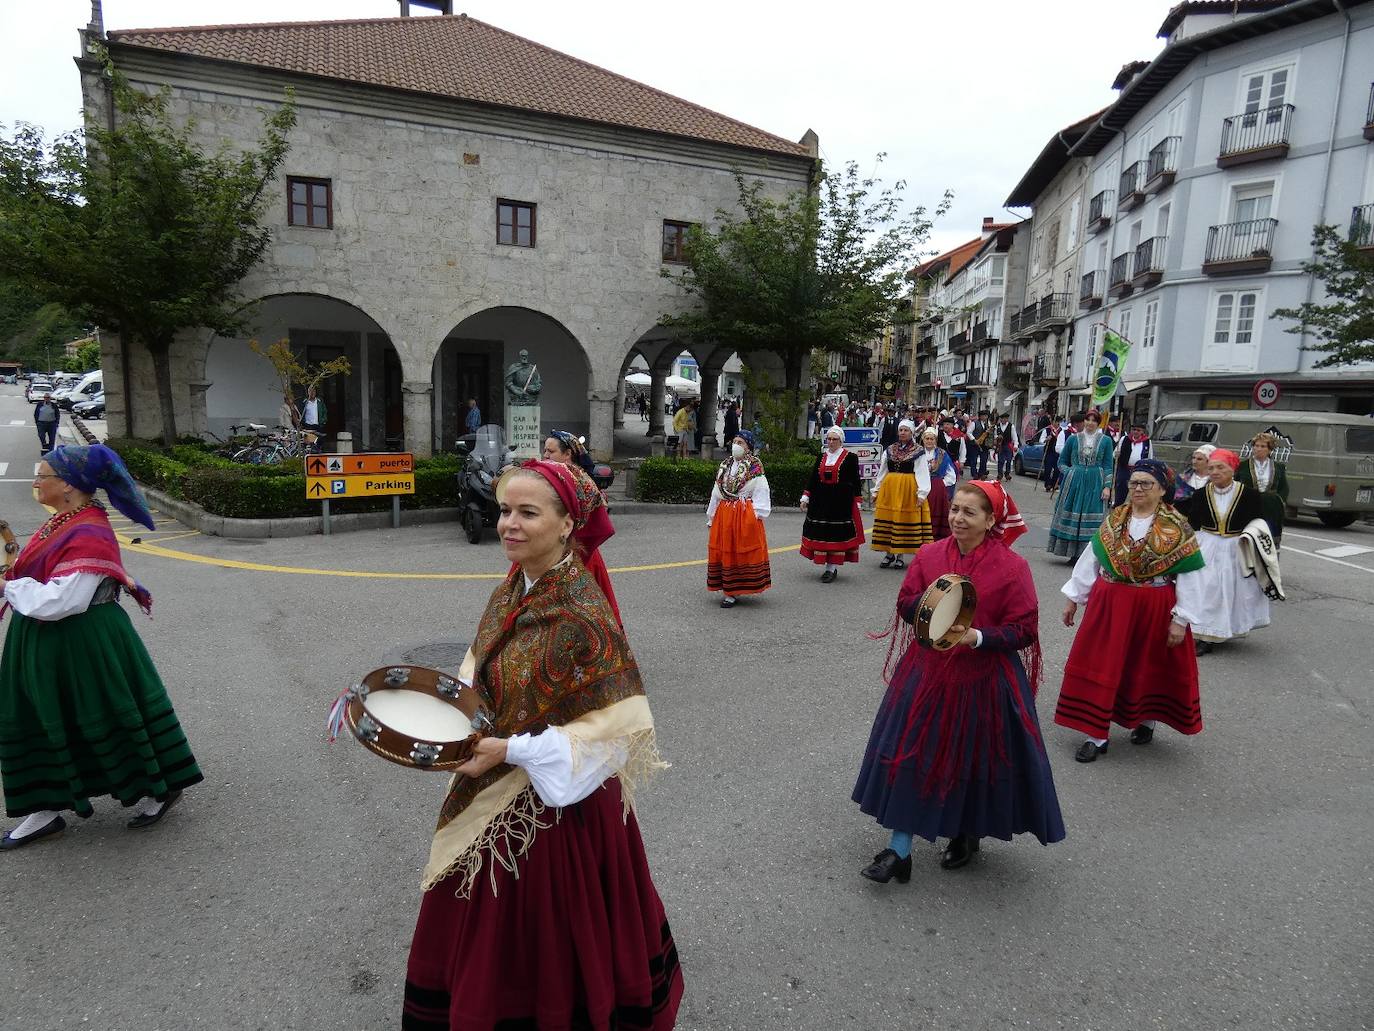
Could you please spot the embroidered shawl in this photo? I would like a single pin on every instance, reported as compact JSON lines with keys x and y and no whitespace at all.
{"x":1169,"y":547}
{"x":85,"y":543}
{"x":900,"y":452}
{"x":734,"y":473}
{"x":552,"y":656}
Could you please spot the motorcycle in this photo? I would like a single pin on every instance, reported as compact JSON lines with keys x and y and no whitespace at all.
{"x":486,"y":455}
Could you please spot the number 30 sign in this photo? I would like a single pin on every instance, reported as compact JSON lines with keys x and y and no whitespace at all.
{"x":1266,"y":393}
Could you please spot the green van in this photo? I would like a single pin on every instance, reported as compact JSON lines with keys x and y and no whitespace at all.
{"x":1330,"y":457}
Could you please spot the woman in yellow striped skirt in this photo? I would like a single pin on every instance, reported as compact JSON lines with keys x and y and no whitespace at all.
{"x":901,"y":513}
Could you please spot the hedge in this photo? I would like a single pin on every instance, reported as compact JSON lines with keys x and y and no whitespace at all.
{"x":689,"y":481}
{"x":191,"y":472}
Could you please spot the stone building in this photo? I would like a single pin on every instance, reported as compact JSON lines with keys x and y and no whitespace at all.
{"x":453,"y":193}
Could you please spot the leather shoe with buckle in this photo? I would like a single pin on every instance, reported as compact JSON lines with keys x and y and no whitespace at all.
{"x":887,"y":865}
{"x":958,"y":852}
{"x":1142,"y":735}
{"x":1090,"y":750}
{"x":148,"y":819}
{"x":54,"y":826}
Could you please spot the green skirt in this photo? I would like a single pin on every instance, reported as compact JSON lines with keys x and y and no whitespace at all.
{"x":83,"y":714}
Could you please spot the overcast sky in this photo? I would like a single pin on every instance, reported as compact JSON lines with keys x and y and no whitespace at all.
{"x":957,"y":93}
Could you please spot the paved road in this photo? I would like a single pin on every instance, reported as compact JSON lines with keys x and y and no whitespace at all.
{"x":1215,"y":882}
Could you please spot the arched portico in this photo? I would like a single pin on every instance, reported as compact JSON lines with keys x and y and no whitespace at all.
{"x":231,"y":385}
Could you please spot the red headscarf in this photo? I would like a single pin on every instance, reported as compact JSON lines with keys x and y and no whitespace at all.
{"x":1229,"y":457}
{"x":1009,"y":524}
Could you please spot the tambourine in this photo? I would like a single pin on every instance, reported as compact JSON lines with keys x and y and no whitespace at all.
{"x":948,"y":602}
{"x":415,"y":716}
{"x":11,"y":546}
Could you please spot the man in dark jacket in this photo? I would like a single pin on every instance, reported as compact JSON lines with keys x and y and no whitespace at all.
{"x":885,"y":424}
{"x":46,"y":416}
{"x":731,"y":425}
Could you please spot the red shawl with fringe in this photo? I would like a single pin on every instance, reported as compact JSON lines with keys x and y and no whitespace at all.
{"x":83,"y":543}
{"x":961,"y":688}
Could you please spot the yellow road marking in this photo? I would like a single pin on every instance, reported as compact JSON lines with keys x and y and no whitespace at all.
{"x":261,"y":567}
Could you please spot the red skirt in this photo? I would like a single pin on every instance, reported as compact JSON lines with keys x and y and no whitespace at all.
{"x":1120,"y":668}
{"x":938,"y":500}
{"x":578,"y":942}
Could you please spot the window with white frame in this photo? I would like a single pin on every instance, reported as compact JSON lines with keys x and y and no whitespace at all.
{"x":1232,"y":341}
{"x":1036,"y":247}
{"x":1252,"y":201}
{"x":1266,"y":88}
{"x":1123,"y":324}
{"x":1074,"y":214}
{"x":1151,"y":327}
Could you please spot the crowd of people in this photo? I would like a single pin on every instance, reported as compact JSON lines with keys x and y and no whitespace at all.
{"x":539,"y":908}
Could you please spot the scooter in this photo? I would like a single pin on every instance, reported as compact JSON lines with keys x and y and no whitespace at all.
{"x":486,"y":455}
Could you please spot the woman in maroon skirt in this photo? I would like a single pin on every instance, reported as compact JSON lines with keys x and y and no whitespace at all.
{"x":539,"y":912}
{"x":1132,"y":661}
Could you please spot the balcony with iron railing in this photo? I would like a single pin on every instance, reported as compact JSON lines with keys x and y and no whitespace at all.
{"x":1119,"y":278}
{"x":1255,"y":135}
{"x":1045,"y":369}
{"x":1240,"y":247}
{"x":1100,"y":211}
{"x":1053,"y":312}
{"x":1148,"y":268}
{"x":988,"y":331}
{"x":1162,"y":164}
{"x":958,"y":340}
{"x":1362,"y":226}
{"x":1369,"y":115}
{"x":1090,"y":291}
{"x":1131,"y":187}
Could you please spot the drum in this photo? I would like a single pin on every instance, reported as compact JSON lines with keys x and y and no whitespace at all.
{"x":946,"y":603}
{"x":417,"y":717}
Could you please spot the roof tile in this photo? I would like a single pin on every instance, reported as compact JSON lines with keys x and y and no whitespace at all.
{"x":462,"y":58}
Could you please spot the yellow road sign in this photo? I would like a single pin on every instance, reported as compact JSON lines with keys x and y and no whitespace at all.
{"x":331,"y":488}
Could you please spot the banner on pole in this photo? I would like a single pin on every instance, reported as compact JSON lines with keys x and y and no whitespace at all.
{"x":1111,"y":363}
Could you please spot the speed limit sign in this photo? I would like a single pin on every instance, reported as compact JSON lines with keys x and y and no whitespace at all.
{"x":1266,"y":393}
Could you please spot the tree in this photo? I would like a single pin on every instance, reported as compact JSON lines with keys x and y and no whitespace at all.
{"x":137,"y":228}
{"x":86,"y":358}
{"x":1344,"y":322}
{"x":291,"y":370}
{"x":818,"y":270}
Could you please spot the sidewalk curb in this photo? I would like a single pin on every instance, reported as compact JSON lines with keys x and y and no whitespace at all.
{"x":197,"y":518}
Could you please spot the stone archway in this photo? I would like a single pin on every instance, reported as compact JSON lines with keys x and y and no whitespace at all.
{"x":235,"y":386}
{"x":471,"y":363}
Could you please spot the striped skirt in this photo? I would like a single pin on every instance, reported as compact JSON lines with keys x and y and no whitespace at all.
{"x":737,"y":553}
{"x":83,"y":714}
{"x":901,"y":524}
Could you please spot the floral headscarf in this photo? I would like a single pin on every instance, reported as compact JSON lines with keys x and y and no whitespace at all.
{"x":94,"y":467}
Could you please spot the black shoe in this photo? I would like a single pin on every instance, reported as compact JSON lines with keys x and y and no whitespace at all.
{"x":1090,"y":750}
{"x":958,"y":852}
{"x":727,"y":602}
{"x":1142,"y":735}
{"x":898,"y":563}
{"x":828,"y":577}
{"x":1203,"y":647}
{"x":145,"y":820}
{"x":887,"y":561}
{"x":887,"y":865}
{"x":54,"y":826}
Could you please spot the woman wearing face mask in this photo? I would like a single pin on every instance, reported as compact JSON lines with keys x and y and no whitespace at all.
{"x":539,"y":909}
{"x":1233,"y":604}
{"x":737,"y":551}
{"x":1269,"y":478}
{"x":942,"y":475}
{"x":901,"y":512}
{"x":956,"y":749}
{"x":1086,"y":465}
{"x":1132,"y":660}
{"x":1195,"y":478}
{"x":834,"y":529}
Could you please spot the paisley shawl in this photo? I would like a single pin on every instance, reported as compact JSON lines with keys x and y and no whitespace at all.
{"x":900,"y":452}
{"x":734,"y":473}
{"x":1169,"y":547}
{"x":552,"y":656}
{"x":82,"y":543}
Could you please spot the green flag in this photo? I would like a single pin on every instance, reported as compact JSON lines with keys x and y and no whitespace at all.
{"x":1110,"y":364}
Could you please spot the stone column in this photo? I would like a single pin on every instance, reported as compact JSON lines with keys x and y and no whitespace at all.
{"x":658,"y":393}
{"x":707,"y":415}
{"x":601,"y":405}
{"x":417,"y":399}
{"x":200,"y":420}
{"x":620,"y":404}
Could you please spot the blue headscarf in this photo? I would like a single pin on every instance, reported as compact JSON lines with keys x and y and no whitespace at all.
{"x":748,"y":439}
{"x":1159,"y":470}
{"x":94,"y":467}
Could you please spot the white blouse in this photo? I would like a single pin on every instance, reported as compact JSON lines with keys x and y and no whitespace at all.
{"x":58,"y":598}
{"x":1264,"y":473}
{"x":1223,"y":500}
{"x":922,"y":472}
{"x":1188,"y":604}
{"x":755,"y":490}
{"x":951,"y":477}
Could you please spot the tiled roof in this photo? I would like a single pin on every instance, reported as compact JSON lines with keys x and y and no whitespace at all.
{"x":958,"y":258}
{"x":461,"y":58}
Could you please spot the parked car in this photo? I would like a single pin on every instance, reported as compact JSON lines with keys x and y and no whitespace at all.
{"x":34,"y":392}
{"x":92,"y":409}
{"x":82,"y":390}
{"x":1030,"y":459}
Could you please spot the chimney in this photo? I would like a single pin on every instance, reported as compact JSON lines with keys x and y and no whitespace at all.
{"x":442,"y":6}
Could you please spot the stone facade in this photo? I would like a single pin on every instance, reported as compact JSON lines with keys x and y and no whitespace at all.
{"x":413,"y":251}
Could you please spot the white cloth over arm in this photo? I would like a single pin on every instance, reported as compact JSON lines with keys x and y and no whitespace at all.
{"x":58,"y":598}
{"x":922,"y":469}
{"x":1189,"y":603}
{"x":548,"y":759}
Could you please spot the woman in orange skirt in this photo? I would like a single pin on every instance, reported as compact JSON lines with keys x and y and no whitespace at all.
{"x":737,"y":553}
